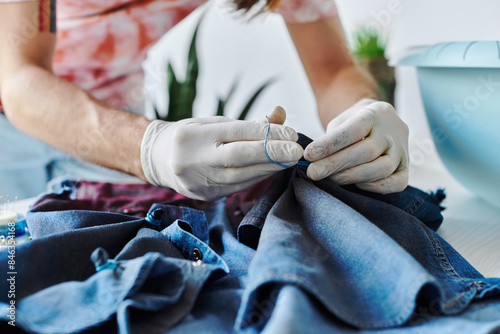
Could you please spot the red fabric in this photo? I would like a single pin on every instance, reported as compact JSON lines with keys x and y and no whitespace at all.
{"x":136,"y":199}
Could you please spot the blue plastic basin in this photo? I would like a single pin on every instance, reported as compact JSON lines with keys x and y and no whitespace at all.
{"x":460,"y":88}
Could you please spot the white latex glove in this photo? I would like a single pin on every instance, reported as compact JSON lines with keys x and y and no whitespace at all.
{"x":208,"y":158}
{"x":366,"y":145}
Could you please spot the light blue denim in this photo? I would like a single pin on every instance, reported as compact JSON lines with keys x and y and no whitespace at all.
{"x":154,"y":270}
{"x":27,"y":165}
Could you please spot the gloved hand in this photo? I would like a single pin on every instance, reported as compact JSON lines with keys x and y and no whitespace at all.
{"x":208,"y":158}
{"x":366,"y":145}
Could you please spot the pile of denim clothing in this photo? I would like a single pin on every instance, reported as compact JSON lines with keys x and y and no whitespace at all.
{"x":287,"y":256}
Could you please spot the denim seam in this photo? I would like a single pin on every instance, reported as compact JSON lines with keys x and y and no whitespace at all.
{"x":458,"y":298}
{"x":402,"y":317}
{"x":480,"y":284}
{"x":255,"y":216}
{"x":254,"y":220}
{"x":442,"y":258}
{"x":450,"y":270}
{"x":484,"y":287}
{"x":266,"y":206}
{"x":415,"y":205}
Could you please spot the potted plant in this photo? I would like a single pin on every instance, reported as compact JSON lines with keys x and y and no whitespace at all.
{"x":182,"y":93}
{"x":369,"y":51}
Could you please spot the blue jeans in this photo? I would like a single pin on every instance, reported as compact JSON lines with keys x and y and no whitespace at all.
{"x":308,"y":257}
{"x":27,"y":165}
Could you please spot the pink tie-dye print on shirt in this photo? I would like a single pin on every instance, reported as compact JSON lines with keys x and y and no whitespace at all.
{"x":102,"y":43}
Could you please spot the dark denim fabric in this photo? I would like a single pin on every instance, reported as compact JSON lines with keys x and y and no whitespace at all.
{"x":364,"y":261}
{"x":307,"y":257}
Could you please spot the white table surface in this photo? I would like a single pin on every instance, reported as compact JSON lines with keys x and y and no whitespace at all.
{"x":471,"y":226}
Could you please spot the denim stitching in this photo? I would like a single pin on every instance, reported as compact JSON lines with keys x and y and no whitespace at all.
{"x":460,"y":296}
{"x":450,"y":270}
{"x":415,"y":205}
{"x":443,"y":259}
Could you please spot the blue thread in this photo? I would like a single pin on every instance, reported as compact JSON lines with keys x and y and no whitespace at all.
{"x":303,"y":163}
{"x":300,"y":163}
{"x":110,"y":264}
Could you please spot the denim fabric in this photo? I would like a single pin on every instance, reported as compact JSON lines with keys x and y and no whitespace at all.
{"x":292,"y":310}
{"x":154,"y":271}
{"x":136,"y":199}
{"x":367,"y":263}
{"x":129,"y":199}
{"x":307,"y":257}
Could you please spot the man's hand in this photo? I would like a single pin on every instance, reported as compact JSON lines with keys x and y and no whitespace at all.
{"x":208,"y":158}
{"x":366,"y":145}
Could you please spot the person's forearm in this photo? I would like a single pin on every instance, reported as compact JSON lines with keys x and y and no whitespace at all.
{"x":335,"y":79}
{"x":71,"y":120}
{"x":347,"y":87}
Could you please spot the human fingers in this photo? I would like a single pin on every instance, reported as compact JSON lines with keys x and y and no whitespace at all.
{"x":380,"y":168}
{"x":248,"y":153}
{"x":338,"y":138}
{"x":359,"y":153}
{"x":276,"y":116}
{"x":246,"y":130}
{"x":396,"y":182}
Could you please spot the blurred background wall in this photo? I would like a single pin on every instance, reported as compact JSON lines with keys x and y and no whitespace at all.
{"x":231,"y":48}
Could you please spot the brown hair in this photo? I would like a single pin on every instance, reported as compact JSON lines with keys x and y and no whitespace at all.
{"x":246,"y":5}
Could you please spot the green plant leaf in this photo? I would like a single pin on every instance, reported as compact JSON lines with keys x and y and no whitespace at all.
{"x":173,"y":87}
{"x":188,"y":89}
{"x":157,"y":114}
{"x":183,"y":93}
{"x":254,"y":97}
{"x":172,"y":80}
{"x":221,"y":105}
{"x":193,"y":65}
{"x":368,"y":44}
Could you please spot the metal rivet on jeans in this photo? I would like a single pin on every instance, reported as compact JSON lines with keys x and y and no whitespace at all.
{"x":196,"y":254}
